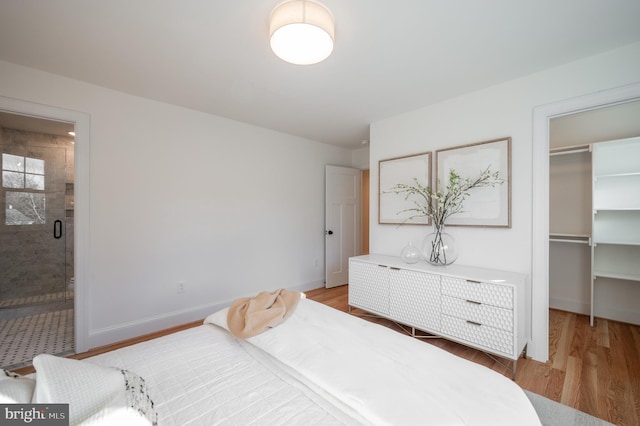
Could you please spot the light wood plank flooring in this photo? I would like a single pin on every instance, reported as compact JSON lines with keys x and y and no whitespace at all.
{"x":593,"y":369}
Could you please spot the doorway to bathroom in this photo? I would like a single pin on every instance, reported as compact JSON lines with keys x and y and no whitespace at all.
{"x":36,"y":239}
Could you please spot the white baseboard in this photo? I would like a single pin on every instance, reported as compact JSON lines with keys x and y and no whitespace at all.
{"x":569,"y":306}
{"x":631,"y":317}
{"x":308,"y":286}
{"x":120,"y":332}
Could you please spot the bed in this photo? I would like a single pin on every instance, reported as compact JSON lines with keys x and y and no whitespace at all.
{"x":319,"y":367}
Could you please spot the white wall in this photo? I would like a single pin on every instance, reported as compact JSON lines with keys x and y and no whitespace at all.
{"x":498,"y":111}
{"x":360,"y":158}
{"x":178,"y":195}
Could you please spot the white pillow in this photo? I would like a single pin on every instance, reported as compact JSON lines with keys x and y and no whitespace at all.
{"x":94,"y":393}
{"x":218,"y":318}
{"x":15,"y":389}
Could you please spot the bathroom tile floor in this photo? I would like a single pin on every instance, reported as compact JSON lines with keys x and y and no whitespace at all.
{"x":42,"y":298}
{"x":23,"y":337}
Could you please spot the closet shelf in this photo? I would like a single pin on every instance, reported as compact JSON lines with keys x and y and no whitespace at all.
{"x":616,"y":209}
{"x":616,"y":242}
{"x":616,"y":175}
{"x":616,"y":275}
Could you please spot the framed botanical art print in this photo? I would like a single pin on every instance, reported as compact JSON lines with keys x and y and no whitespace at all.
{"x":401,"y":170}
{"x":485,"y":206}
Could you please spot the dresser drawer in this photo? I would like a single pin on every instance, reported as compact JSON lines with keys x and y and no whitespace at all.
{"x":482,"y":336}
{"x":478,"y":312}
{"x":414,"y":299}
{"x":486,"y":293}
{"x":369,"y":287}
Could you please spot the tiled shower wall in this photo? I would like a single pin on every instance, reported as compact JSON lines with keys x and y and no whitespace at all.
{"x":31,"y":260}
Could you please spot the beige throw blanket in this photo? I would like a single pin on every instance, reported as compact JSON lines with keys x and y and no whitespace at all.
{"x":250,"y":316}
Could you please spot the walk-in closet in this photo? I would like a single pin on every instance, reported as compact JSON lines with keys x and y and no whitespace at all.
{"x":594,"y":213}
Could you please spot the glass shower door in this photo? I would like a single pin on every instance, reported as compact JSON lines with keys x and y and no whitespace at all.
{"x":33,"y":250}
{"x":34,"y":267}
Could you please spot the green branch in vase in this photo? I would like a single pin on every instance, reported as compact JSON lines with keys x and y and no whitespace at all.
{"x":440,"y":205}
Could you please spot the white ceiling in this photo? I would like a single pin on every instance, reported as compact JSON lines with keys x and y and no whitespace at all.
{"x":390,"y":56}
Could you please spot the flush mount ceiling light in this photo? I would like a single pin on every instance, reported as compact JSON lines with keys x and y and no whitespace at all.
{"x":301,"y":32}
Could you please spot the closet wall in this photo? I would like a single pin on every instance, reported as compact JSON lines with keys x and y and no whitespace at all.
{"x":570,"y":214}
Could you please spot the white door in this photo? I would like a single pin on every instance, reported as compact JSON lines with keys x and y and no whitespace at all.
{"x":342,"y":222}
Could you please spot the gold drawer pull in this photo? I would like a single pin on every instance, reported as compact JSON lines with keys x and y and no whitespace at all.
{"x":473,"y":323}
{"x":474,"y":302}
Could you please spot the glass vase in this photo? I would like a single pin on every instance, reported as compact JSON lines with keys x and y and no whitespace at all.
{"x":439,"y":248}
{"x":410,"y":253}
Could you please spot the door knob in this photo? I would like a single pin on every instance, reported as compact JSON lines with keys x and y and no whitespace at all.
{"x":329,"y":232}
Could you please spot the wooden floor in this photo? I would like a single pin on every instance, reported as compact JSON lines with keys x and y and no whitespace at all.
{"x":593,"y":369}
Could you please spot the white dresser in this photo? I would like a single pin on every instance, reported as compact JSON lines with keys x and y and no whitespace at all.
{"x":483,"y":308}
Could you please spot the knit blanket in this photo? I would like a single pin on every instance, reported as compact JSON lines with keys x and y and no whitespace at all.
{"x":96,"y":395}
{"x":250,"y":316}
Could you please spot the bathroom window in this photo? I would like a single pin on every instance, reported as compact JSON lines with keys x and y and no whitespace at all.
{"x":23,"y":183}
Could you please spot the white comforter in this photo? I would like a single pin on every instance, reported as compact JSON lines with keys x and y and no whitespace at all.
{"x":203,"y":376}
{"x":388,"y":378}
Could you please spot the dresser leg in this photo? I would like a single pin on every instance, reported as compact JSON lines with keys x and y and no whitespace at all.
{"x":523,"y":354}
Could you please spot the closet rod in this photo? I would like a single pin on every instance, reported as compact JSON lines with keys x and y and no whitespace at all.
{"x":567,"y":240}
{"x":573,"y":151}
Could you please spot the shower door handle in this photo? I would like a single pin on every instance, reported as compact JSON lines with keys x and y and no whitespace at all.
{"x":57,"y":229}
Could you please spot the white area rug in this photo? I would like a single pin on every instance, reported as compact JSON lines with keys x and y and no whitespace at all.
{"x":552,"y":413}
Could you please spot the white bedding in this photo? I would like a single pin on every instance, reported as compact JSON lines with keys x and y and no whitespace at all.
{"x":96,"y":395}
{"x":320,"y":367}
{"x":387,"y":377}
{"x":203,"y":376}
